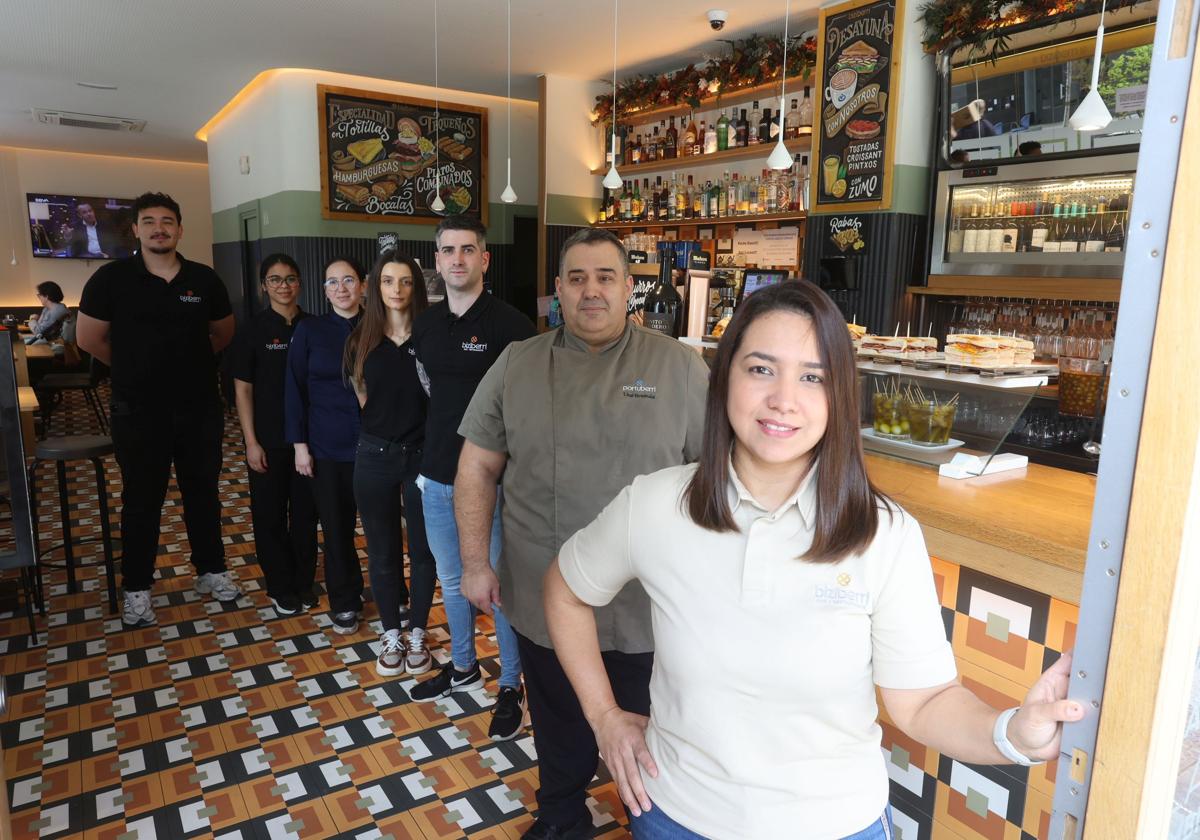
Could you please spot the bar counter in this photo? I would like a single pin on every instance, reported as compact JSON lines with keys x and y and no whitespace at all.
{"x":1029,"y":527}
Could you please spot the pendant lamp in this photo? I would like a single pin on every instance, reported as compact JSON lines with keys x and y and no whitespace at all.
{"x":780,"y":157}
{"x":437,"y":205}
{"x":613,"y":179}
{"x":509,"y":195}
{"x":1092,"y":114}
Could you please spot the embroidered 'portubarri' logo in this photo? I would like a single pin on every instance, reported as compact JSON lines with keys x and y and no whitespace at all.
{"x":639,"y":388}
{"x":276,"y":344}
{"x":189,"y":297}
{"x":474,"y":345}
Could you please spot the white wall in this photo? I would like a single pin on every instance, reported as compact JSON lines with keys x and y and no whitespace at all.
{"x":573,"y":146}
{"x":276,"y":125}
{"x":916,"y":91}
{"x":29,"y":171}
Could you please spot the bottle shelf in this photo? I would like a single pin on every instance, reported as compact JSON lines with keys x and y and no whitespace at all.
{"x":719,"y":220}
{"x":768,"y":91}
{"x":763,"y":150}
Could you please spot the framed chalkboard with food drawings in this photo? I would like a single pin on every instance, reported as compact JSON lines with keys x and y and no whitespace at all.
{"x":381,"y":157}
{"x":858,"y":53}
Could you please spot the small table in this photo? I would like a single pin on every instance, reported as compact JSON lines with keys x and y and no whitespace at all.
{"x":27,"y":407}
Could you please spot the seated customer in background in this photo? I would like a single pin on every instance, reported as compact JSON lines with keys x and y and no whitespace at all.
{"x":1029,"y":148}
{"x":47,"y":325}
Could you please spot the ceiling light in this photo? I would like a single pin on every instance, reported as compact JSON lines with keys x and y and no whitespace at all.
{"x":1092,"y":114}
{"x":437,"y":205}
{"x":509,"y":195}
{"x":780,"y":157}
{"x":613,"y":179}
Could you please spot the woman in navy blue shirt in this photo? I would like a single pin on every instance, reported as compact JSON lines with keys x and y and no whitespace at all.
{"x":322,"y":423}
{"x":383,"y":369}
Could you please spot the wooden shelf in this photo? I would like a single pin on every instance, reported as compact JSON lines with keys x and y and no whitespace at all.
{"x":769,"y":91}
{"x":722,"y":220}
{"x":763,"y":150}
{"x":1104,"y":290}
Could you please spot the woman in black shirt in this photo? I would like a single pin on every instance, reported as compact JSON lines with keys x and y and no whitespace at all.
{"x":383,"y":370}
{"x":281,"y":503}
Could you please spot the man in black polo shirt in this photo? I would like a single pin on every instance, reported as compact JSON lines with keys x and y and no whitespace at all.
{"x":158,"y":321}
{"x":281,"y":502}
{"x":456,"y":341}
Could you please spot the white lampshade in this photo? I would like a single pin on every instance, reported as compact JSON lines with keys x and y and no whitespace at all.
{"x":509,"y":195}
{"x":1092,"y":114}
{"x":780,"y":157}
{"x":613,"y":179}
{"x":437,"y":205}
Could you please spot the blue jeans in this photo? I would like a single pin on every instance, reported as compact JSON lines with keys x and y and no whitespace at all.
{"x":441,"y":529}
{"x":655,"y":825}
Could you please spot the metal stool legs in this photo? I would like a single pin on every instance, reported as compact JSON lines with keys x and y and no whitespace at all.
{"x":65,"y":517}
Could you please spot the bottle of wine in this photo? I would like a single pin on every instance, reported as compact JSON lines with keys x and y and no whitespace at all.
{"x":971,"y":232}
{"x":954,"y":239}
{"x":722,"y":133}
{"x":1038,"y":231}
{"x":806,"y":110}
{"x":995,"y":241}
{"x":627,"y":203}
{"x":690,"y":211}
{"x":1011,"y":232}
{"x":662,"y":310}
{"x":1069,"y":240}
{"x":699,"y":202}
{"x":752,"y":129}
{"x":671,"y":146}
{"x":635,"y":202}
{"x":764,"y":126}
{"x":1114,"y":239}
{"x":1095,"y":240}
{"x":791,"y":123}
{"x":1051,"y":244}
{"x":602,"y":216}
{"x":742,"y":130}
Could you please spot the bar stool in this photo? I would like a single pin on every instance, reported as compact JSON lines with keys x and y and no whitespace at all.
{"x":62,"y":450}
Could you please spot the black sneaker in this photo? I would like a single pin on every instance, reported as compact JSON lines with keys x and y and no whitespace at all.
{"x":508,"y":714}
{"x":447,"y":681}
{"x":311,"y":600}
{"x":344,"y":623}
{"x":542,"y":830}
{"x":285,"y":604}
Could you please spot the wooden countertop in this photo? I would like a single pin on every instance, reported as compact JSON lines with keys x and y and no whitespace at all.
{"x":1027,"y":526}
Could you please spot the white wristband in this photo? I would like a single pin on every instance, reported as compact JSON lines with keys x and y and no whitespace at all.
{"x":1005,"y":746}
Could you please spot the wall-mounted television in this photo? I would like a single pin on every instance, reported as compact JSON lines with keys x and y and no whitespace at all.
{"x":81,"y":227}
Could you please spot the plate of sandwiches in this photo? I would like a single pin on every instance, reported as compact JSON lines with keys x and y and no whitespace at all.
{"x":900,"y":347}
{"x":856,"y":334}
{"x":988,"y":351}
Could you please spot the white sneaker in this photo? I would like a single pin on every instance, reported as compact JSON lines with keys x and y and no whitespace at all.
{"x":220,"y":584}
{"x":391,"y":654}
{"x":418,"y":659}
{"x":137,"y":611}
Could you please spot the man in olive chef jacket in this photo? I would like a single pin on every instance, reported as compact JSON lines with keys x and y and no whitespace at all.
{"x":568,"y":419}
{"x":158,"y":320}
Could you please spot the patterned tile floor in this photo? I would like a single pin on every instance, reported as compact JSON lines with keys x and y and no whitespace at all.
{"x":226,"y":721}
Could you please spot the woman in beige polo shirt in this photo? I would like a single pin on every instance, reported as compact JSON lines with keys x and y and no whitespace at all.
{"x":784,"y":589}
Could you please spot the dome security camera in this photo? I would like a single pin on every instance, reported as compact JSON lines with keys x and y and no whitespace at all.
{"x":717,"y":18}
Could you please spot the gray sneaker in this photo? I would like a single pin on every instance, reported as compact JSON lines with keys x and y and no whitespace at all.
{"x":390,"y":662}
{"x":137,"y":611}
{"x":220,"y":585}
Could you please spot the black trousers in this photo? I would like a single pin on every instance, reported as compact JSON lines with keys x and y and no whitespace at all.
{"x":285,"y":525}
{"x":333,"y":490}
{"x":147,"y":441}
{"x":566,"y":748}
{"x":385,"y":483}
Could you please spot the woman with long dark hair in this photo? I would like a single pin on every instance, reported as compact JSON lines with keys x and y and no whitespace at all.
{"x":382,"y":368}
{"x":778,"y":531}
{"x":321,"y":422}
{"x":281,"y":503}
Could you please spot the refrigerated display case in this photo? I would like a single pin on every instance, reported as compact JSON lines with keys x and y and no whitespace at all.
{"x":1060,"y":218}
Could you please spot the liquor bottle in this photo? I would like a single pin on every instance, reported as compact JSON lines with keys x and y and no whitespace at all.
{"x":744,"y":198}
{"x":742,"y":130}
{"x":650,"y":153}
{"x":1052,"y":243}
{"x":752,"y":189}
{"x":698,"y":146}
{"x":806,"y":110}
{"x":689,"y":138}
{"x":722,"y":133}
{"x":699,"y":203}
{"x":1011,"y":232}
{"x":661,"y":136}
{"x":764,"y":126}
{"x":731,"y":139}
{"x":635,"y":154}
{"x":971,"y":232}
{"x":1114,"y":239}
{"x":602,"y":216}
{"x":711,"y":142}
{"x":690,"y":208}
{"x":663,"y":307}
{"x":1095,"y":240}
{"x":752,"y":135}
{"x":731,"y":200}
{"x":627,"y":203}
{"x":723,"y":196}
{"x":791,"y":123}
{"x":635,"y":202}
{"x":670,"y":146}
{"x":672,"y":199}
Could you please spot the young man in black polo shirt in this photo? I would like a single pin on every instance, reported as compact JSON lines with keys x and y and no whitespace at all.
{"x":281,"y":502}
{"x":158,"y":321}
{"x":456,"y":341}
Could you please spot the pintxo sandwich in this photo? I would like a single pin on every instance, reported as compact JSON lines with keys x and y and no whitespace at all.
{"x":856,"y":334}
{"x":979,"y":350}
{"x":901,"y":346}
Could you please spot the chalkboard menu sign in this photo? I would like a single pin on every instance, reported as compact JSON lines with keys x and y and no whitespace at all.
{"x":381,"y":156}
{"x":852,"y":152}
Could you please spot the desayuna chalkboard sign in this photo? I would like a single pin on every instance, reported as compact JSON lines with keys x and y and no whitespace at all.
{"x":381,"y":157}
{"x":851,"y":153}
